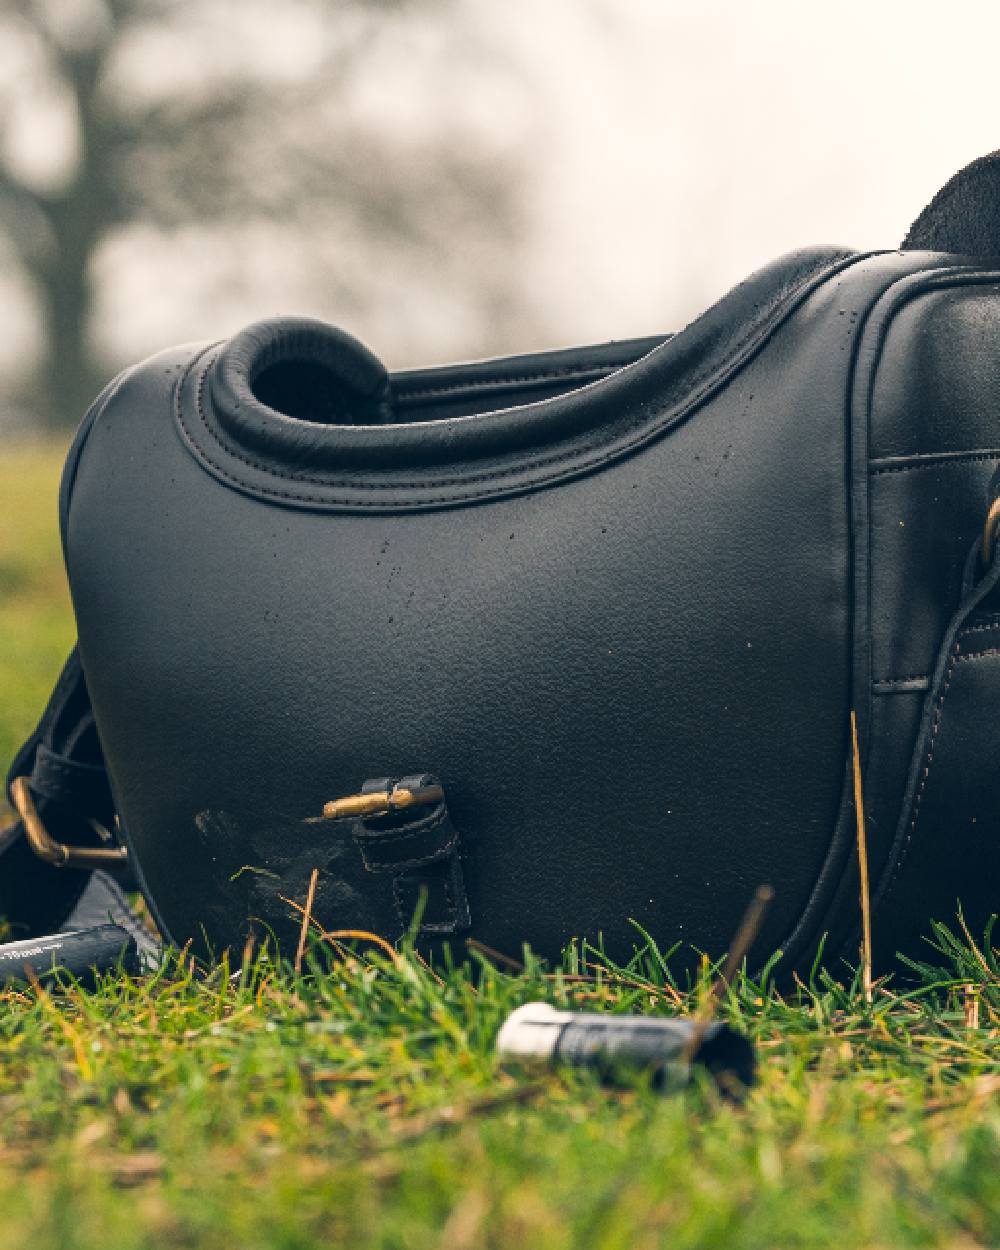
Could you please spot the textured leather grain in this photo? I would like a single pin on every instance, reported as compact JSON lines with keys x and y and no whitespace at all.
{"x":621,"y":600}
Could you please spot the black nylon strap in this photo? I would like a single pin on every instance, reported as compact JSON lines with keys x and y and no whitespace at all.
{"x":67,"y":778}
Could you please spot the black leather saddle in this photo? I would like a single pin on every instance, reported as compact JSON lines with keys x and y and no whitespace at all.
{"x":548,"y":647}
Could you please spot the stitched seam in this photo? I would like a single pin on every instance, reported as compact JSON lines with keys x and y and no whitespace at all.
{"x":398,"y":900}
{"x":895,"y":681}
{"x":969,"y":458}
{"x":459,"y":900}
{"x":390,"y":838}
{"x":460,"y":388}
{"x":406,"y":484}
{"x":399,"y":865}
{"x":403,"y":865}
{"x":980,"y":655}
{"x":985,"y":627}
{"x":536,"y":463}
{"x":447,"y":925}
{"x":821,"y":907}
{"x":693,"y":398}
{"x":450,"y":899}
{"x":981,"y":629}
{"x":928,"y":761}
{"x":944,"y":457}
{"x":956,"y":659}
{"x":315,"y":497}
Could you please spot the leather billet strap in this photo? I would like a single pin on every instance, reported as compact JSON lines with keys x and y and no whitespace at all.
{"x":69,"y":790}
{"x":420,"y":850}
{"x":947,"y":834}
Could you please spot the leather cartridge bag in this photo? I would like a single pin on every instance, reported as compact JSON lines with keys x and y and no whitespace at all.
{"x":557,"y":646}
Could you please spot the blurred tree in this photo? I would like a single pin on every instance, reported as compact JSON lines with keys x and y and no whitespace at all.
{"x":225,"y":141}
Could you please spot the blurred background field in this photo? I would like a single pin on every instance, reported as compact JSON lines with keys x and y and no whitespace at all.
{"x":445,"y":178}
{"x":36,"y":626}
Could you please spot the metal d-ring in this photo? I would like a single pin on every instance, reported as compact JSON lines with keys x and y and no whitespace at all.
{"x":56,"y":853}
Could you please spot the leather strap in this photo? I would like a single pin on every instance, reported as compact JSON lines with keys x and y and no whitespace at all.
{"x":950,"y":814}
{"x":69,"y":784}
{"x":420,"y":849}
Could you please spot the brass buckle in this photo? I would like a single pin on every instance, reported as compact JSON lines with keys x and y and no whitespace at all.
{"x":56,"y":853}
{"x":381,"y":803}
{"x":989,"y":531}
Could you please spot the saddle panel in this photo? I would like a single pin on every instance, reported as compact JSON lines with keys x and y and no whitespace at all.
{"x":633,"y":683}
{"x":577,"y":634}
{"x":933,"y":446}
{"x":618,"y":601}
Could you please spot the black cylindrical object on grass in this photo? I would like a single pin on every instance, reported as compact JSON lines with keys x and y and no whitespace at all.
{"x":79,"y":953}
{"x":666,"y":1047}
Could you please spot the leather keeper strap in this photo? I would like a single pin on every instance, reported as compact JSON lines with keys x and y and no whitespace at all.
{"x":420,"y":849}
{"x":73,"y":783}
{"x":946,"y":850}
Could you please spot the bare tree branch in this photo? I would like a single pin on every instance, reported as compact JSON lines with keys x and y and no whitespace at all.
{"x":242,"y":150}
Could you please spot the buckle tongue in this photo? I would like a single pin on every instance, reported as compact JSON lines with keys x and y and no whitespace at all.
{"x":382,"y":802}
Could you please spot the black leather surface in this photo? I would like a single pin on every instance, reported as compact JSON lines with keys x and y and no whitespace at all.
{"x":945,"y":844}
{"x":616,"y":622}
{"x":620,"y":600}
{"x":64,"y":764}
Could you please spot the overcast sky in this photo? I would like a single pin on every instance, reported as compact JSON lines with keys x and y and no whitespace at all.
{"x":686,"y":144}
{"x":669,"y":148}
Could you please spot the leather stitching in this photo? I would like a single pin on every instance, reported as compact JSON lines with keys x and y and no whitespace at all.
{"x":527,"y":465}
{"x":398,"y":865}
{"x":899,"y":681}
{"x":447,"y":925}
{"x":419,"y":861}
{"x":428,"y":826}
{"x":809,"y":923}
{"x":398,"y":902}
{"x":928,"y":761}
{"x":710,"y":374}
{"x":562,"y":375}
{"x":956,"y":659}
{"x":984,"y":627}
{"x":938,"y":463}
{"x":980,"y":655}
{"x":389,"y":839}
{"x":449,"y":896}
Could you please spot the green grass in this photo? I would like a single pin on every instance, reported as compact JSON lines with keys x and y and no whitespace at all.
{"x":359,"y":1103}
{"x":36,"y":624}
